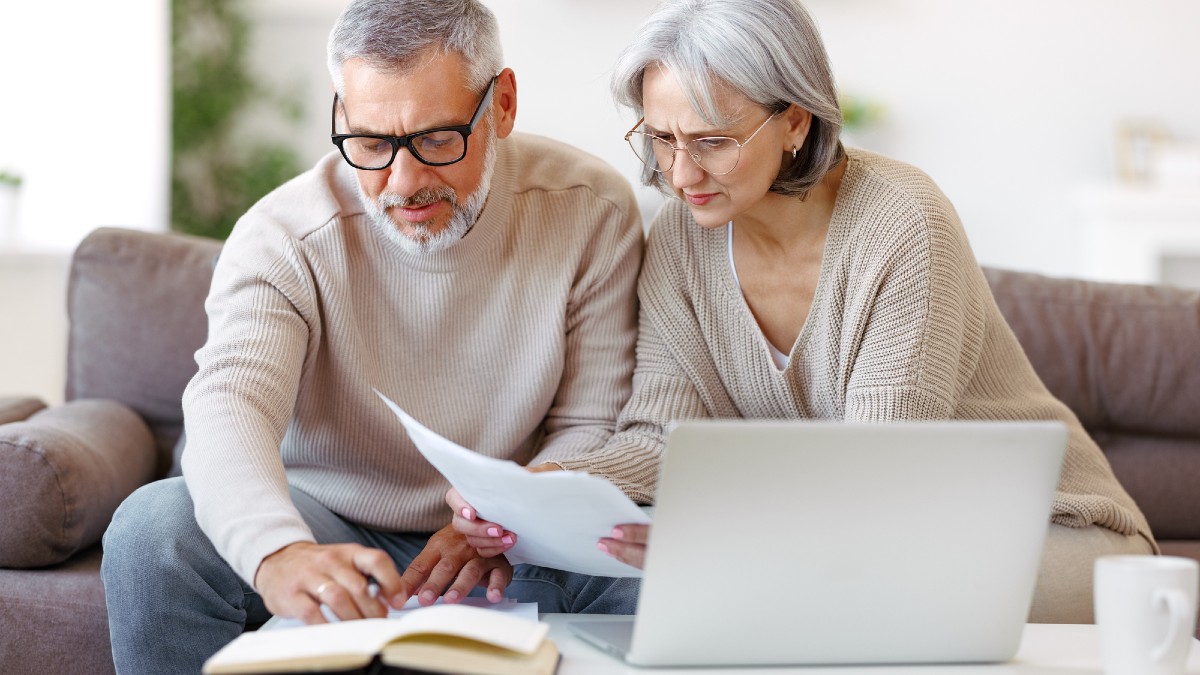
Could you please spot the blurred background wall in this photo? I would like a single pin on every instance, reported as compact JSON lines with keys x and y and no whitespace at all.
{"x":84,"y":118}
{"x":84,"y":126}
{"x":1064,"y":131}
{"x":1014,"y":108}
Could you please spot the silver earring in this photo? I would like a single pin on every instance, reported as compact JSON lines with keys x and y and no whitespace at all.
{"x":794,"y":151}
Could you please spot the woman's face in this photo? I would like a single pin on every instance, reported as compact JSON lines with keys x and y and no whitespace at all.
{"x":715,"y":200}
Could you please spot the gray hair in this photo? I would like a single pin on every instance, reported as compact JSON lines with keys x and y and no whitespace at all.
{"x":391,"y":35}
{"x":770,"y":51}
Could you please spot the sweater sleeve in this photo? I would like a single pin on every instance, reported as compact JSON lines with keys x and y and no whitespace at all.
{"x":601,"y":329}
{"x":916,"y":316}
{"x":238,"y":406}
{"x":662,"y":389}
{"x":662,"y":393}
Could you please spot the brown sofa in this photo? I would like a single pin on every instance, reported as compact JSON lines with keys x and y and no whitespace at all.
{"x":1123,"y":357}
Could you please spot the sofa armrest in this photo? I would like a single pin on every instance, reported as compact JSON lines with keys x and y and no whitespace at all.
{"x":16,"y":409}
{"x":63,"y":472}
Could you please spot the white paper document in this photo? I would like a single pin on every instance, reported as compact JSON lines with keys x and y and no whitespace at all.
{"x":558,"y":516}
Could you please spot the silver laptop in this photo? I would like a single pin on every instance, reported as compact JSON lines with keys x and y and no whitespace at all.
{"x":804,"y":543}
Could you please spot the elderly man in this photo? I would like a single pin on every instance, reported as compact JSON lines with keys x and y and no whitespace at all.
{"x":484,"y":280}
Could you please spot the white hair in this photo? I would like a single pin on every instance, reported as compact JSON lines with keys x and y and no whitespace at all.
{"x":770,"y":51}
{"x":391,"y":35}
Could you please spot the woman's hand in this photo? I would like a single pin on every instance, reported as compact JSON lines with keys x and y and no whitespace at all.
{"x":489,"y":539}
{"x":627,"y":544}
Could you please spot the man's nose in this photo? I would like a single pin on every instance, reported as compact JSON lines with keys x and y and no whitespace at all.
{"x":407,"y":174}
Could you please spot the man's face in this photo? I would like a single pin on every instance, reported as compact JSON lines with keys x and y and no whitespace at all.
{"x":425,"y":208}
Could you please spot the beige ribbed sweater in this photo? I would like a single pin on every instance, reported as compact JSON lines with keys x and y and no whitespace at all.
{"x":902,"y":327}
{"x":517,"y":342}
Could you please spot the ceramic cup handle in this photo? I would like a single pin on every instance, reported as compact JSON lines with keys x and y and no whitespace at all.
{"x":1177,"y":612}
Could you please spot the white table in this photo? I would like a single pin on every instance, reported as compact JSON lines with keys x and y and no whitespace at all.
{"x":1046,"y":649}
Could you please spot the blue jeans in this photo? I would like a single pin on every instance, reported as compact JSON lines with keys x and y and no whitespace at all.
{"x":173,"y":601}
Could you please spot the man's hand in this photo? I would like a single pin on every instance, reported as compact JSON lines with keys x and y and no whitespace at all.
{"x":450,"y":567}
{"x":298,"y":578}
{"x":489,"y":539}
{"x":627,"y":544}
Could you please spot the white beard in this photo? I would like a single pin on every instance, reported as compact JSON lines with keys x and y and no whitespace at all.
{"x":462,"y":218}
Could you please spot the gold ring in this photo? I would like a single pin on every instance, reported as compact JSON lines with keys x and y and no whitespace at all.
{"x":321,"y":588}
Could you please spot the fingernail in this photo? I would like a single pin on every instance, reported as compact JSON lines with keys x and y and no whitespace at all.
{"x":493,"y":532}
{"x":618,"y":533}
{"x":428,"y":596}
{"x":495,"y":595}
{"x":602,"y":546}
{"x":507,"y":539}
{"x":452,"y":596}
{"x":466,"y":513}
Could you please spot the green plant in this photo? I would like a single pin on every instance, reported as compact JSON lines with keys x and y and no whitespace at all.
{"x":10,"y":179}
{"x":859,"y":113}
{"x":218,"y":168}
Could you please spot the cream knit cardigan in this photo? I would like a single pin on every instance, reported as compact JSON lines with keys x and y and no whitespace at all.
{"x":903,"y":326}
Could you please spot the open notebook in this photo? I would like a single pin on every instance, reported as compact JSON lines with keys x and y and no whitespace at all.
{"x":829,"y":543}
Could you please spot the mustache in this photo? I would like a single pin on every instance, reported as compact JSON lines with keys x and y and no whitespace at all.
{"x":422,"y":197}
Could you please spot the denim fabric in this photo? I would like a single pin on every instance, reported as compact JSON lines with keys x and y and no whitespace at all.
{"x":173,"y":601}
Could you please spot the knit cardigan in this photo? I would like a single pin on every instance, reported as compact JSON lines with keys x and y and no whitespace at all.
{"x":903,"y":326}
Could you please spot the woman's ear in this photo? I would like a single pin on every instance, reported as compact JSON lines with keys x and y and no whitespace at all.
{"x":799,"y":121}
{"x":505,"y":102}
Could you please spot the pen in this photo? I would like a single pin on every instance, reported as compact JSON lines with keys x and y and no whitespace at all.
{"x":372,"y":590}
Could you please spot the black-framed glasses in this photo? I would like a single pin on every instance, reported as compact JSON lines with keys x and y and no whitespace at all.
{"x":718,"y":155}
{"x":435,"y":147}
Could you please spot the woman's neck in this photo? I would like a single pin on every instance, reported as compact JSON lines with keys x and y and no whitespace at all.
{"x":780,"y":223}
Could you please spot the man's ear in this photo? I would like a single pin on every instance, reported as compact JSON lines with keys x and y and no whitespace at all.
{"x":504,"y":102}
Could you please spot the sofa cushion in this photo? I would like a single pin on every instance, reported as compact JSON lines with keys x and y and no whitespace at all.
{"x":1119,"y":355}
{"x":17,"y":409}
{"x":1160,"y":473}
{"x":54,"y":619}
{"x":136,"y":307}
{"x":63,"y":472}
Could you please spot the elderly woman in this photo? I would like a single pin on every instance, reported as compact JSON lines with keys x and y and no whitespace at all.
{"x":795,"y":279}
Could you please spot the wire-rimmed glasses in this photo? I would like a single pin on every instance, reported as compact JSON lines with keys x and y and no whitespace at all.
{"x":435,"y":147}
{"x":718,"y":155}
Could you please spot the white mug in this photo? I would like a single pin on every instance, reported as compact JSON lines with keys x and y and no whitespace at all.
{"x":1145,"y":612}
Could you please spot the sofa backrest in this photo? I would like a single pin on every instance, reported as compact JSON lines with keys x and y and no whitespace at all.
{"x":1122,"y":357}
{"x":1126,"y":359}
{"x":135,"y":301}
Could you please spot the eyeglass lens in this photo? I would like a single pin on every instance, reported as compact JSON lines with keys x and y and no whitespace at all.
{"x":716,"y":155}
{"x":435,"y":147}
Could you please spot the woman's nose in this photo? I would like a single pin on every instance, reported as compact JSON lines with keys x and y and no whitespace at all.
{"x":685,"y":170}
